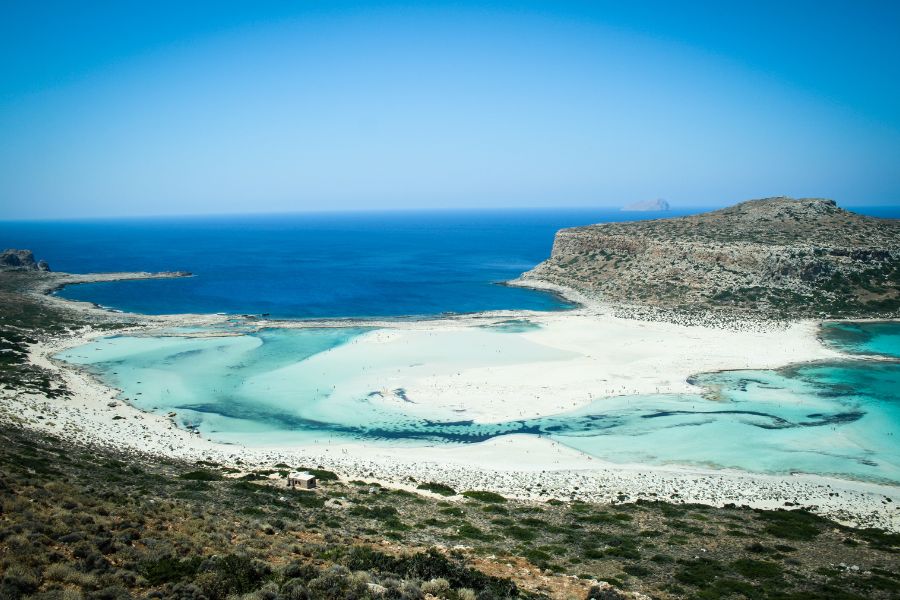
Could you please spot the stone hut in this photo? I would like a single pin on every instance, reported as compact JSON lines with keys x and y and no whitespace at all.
{"x":302,"y":480}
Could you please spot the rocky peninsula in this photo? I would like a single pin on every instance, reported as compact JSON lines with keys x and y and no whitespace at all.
{"x":775,"y":258}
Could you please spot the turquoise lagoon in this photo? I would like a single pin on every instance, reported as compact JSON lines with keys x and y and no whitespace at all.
{"x":289,"y":386}
{"x":878,"y":338}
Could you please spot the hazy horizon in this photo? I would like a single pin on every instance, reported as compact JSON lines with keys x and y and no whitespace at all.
{"x":134,"y":110}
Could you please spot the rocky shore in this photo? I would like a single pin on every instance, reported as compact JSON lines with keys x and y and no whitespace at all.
{"x":776,"y":258}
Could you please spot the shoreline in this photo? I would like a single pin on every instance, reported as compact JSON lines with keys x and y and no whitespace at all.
{"x":520,"y":465}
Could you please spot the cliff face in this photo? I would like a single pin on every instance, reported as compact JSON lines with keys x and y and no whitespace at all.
{"x":22,"y":260}
{"x":778,"y":256}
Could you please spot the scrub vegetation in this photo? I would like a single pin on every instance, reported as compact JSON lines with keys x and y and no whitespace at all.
{"x":79,"y":522}
{"x":770,"y":259}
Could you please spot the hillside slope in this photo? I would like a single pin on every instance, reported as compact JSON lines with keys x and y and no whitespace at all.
{"x":776,"y":257}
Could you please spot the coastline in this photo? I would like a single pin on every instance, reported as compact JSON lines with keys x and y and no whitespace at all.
{"x":522,"y":466}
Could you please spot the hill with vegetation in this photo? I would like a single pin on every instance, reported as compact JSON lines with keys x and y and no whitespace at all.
{"x":776,"y":257}
{"x":81,"y":522}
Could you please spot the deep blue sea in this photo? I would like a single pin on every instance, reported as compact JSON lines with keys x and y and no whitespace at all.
{"x":311,"y":265}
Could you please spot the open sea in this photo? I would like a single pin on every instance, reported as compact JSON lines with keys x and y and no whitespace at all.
{"x":290,"y":386}
{"x":311,"y":265}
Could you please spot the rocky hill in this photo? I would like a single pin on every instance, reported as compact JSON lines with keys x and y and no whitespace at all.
{"x":776,"y":257}
{"x":22,"y":260}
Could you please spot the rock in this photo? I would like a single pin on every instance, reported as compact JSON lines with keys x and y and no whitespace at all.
{"x":647,"y":206}
{"x":778,"y":258}
{"x":21,"y":260}
{"x":376,"y":589}
{"x":604,"y":591}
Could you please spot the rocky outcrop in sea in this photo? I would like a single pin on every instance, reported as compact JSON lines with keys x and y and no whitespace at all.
{"x":21,"y":260}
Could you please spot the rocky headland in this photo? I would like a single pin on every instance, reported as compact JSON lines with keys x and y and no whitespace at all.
{"x":775,"y":258}
{"x":21,"y":260}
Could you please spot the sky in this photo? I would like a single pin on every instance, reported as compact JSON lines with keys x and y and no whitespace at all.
{"x":127,"y":108}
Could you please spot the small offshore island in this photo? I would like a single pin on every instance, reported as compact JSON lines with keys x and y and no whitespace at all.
{"x":736,"y":324}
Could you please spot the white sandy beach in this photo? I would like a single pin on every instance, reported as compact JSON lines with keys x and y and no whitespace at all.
{"x":604,"y":356}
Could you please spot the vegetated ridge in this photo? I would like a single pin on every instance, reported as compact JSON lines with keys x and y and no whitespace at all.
{"x":776,"y":257}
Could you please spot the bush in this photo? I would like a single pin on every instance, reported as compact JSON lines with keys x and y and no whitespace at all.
{"x":604,"y":593}
{"x":437,"y":488}
{"x":18,"y":582}
{"x":483,"y":496}
{"x":169,"y":569}
{"x":429,"y":565}
{"x":756,"y":569}
{"x":439,"y":587}
{"x":337,"y":584}
{"x":520,"y":533}
{"x":232,"y":574}
{"x":302,"y":571}
{"x":792,"y":524}
{"x":294,"y":589}
{"x":322,"y":474}
{"x":201,"y":475}
{"x":700,"y":573}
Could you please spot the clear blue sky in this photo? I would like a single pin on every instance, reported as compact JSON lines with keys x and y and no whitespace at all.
{"x":133,"y":108}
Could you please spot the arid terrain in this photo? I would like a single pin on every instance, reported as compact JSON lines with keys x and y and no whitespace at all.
{"x":777,"y":258}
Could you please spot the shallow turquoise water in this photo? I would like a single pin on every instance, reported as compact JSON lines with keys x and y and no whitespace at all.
{"x":864,"y":338}
{"x":290,"y":386}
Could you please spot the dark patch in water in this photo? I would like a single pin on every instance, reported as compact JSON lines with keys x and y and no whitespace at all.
{"x":776,"y":422}
{"x":835,"y":419}
{"x":412,"y":429}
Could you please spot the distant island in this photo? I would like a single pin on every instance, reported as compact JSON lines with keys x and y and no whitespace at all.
{"x":646,"y":206}
{"x":779,"y":258}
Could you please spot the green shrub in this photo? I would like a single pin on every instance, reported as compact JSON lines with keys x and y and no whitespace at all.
{"x":699,"y":573}
{"x":520,"y":533}
{"x":437,"y":488}
{"x":792,"y":524}
{"x":483,"y":496}
{"x":756,"y":569}
{"x":322,"y":474}
{"x":336,"y":583}
{"x":232,"y":574}
{"x":169,"y":569}
{"x":430,"y":565}
{"x":201,"y":475}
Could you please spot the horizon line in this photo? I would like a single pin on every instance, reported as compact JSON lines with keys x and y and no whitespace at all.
{"x":674,"y":211}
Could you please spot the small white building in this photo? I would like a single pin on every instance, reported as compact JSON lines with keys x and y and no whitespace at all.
{"x":301,"y":479}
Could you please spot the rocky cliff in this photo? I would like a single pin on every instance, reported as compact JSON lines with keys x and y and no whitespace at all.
{"x":22,"y":260}
{"x":778,"y":257}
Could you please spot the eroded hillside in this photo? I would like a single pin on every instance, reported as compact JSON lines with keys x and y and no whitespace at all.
{"x":776,"y":257}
